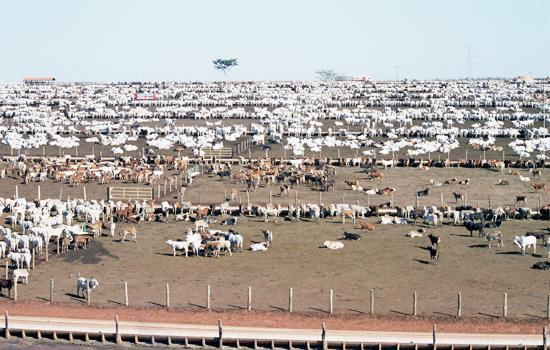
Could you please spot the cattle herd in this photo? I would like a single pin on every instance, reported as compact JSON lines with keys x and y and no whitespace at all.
{"x":168,"y":141}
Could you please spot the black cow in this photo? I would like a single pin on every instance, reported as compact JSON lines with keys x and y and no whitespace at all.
{"x":474,"y":226}
{"x":435,"y":240}
{"x":434,"y":254}
{"x":351,"y":236}
{"x":423,"y":193}
{"x":7,"y":284}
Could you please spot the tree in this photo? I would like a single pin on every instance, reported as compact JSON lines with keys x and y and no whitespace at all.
{"x":224,"y":64}
{"x":326,"y":75}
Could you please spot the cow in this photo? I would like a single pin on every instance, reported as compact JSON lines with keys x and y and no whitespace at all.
{"x":84,"y":285}
{"x":268,"y":237}
{"x":434,"y":240}
{"x":521,"y":199}
{"x":538,"y":235}
{"x":458,"y":195}
{"x":132,"y":231}
{"x":423,"y":193}
{"x":434,"y":254}
{"x":416,"y":233}
{"x":363,"y":225}
{"x":474,"y":226}
{"x":494,"y":237}
{"x":178,"y":245}
{"x":333,"y":245}
{"x":6,"y":284}
{"x":502,"y":182}
{"x":540,"y":186}
{"x":350,"y":236}
{"x":524,"y":242}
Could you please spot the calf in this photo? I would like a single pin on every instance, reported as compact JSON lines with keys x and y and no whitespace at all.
{"x":494,"y":237}
{"x":268,"y":237}
{"x":84,"y":285}
{"x":434,"y":254}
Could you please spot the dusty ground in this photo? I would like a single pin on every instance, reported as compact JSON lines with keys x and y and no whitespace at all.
{"x":386,"y":261}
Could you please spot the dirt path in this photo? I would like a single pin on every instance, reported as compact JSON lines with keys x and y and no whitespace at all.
{"x":277,"y":319}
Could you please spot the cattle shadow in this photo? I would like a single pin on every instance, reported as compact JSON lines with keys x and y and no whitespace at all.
{"x":95,"y":253}
{"x":319,"y":310}
{"x":358,"y":311}
{"x":168,"y":254}
{"x":400,"y":313}
{"x":75,"y":297}
{"x":457,"y":235}
{"x":156,"y":304}
{"x":423,"y":248}
{"x":478,"y":246}
{"x":425,"y":262}
{"x":197,"y":306}
{"x":509,"y":253}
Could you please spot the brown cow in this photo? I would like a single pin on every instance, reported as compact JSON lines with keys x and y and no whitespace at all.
{"x":540,"y":186}
{"x":83,"y":240}
{"x":363,"y":225}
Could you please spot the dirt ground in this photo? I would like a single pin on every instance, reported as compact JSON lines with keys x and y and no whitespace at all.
{"x":387,"y":262}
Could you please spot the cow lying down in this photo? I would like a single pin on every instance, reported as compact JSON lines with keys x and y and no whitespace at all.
{"x":258,"y":247}
{"x":416,"y":233}
{"x":332,"y":245}
{"x":389,"y":220}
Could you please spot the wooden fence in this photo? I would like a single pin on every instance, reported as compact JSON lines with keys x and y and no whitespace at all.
{"x":130,"y":193}
{"x":225,"y":152}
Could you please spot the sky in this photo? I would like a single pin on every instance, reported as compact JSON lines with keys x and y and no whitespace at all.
{"x":164,"y":40}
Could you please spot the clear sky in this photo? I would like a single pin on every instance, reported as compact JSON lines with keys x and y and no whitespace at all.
{"x":131,"y":40}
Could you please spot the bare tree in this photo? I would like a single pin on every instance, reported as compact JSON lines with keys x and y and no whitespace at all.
{"x":225,"y":64}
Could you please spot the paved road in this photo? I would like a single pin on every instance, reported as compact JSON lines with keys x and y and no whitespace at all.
{"x":199,"y":331}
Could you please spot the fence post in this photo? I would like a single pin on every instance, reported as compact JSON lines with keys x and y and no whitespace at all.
{"x":249,"y":299}
{"x":167,"y":296}
{"x":117,"y":331}
{"x":372,"y":301}
{"x":414,"y":303}
{"x":548,"y":307}
{"x":220,"y":334}
{"x":441,"y":199}
{"x":331,"y":302}
{"x":544,"y":337}
{"x":208,"y":298}
{"x":84,"y":192}
{"x":6,"y":326}
{"x":459,"y":306}
{"x":51,"y":290}
{"x":126,"y":302}
{"x":489,"y":201}
{"x":505,"y":306}
{"x":38,"y":190}
{"x":416,"y":201}
{"x":324,"y":336}
{"x":47,"y":247}
{"x":291,"y":299}
{"x":434,"y":336}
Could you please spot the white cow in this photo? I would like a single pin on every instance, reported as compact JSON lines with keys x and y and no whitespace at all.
{"x":258,"y":247}
{"x":525,"y":242}
{"x":21,"y":259}
{"x":21,"y":273}
{"x":333,"y":245}
{"x":82,"y":285}
{"x":386,"y":220}
{"x":178,"y":245}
